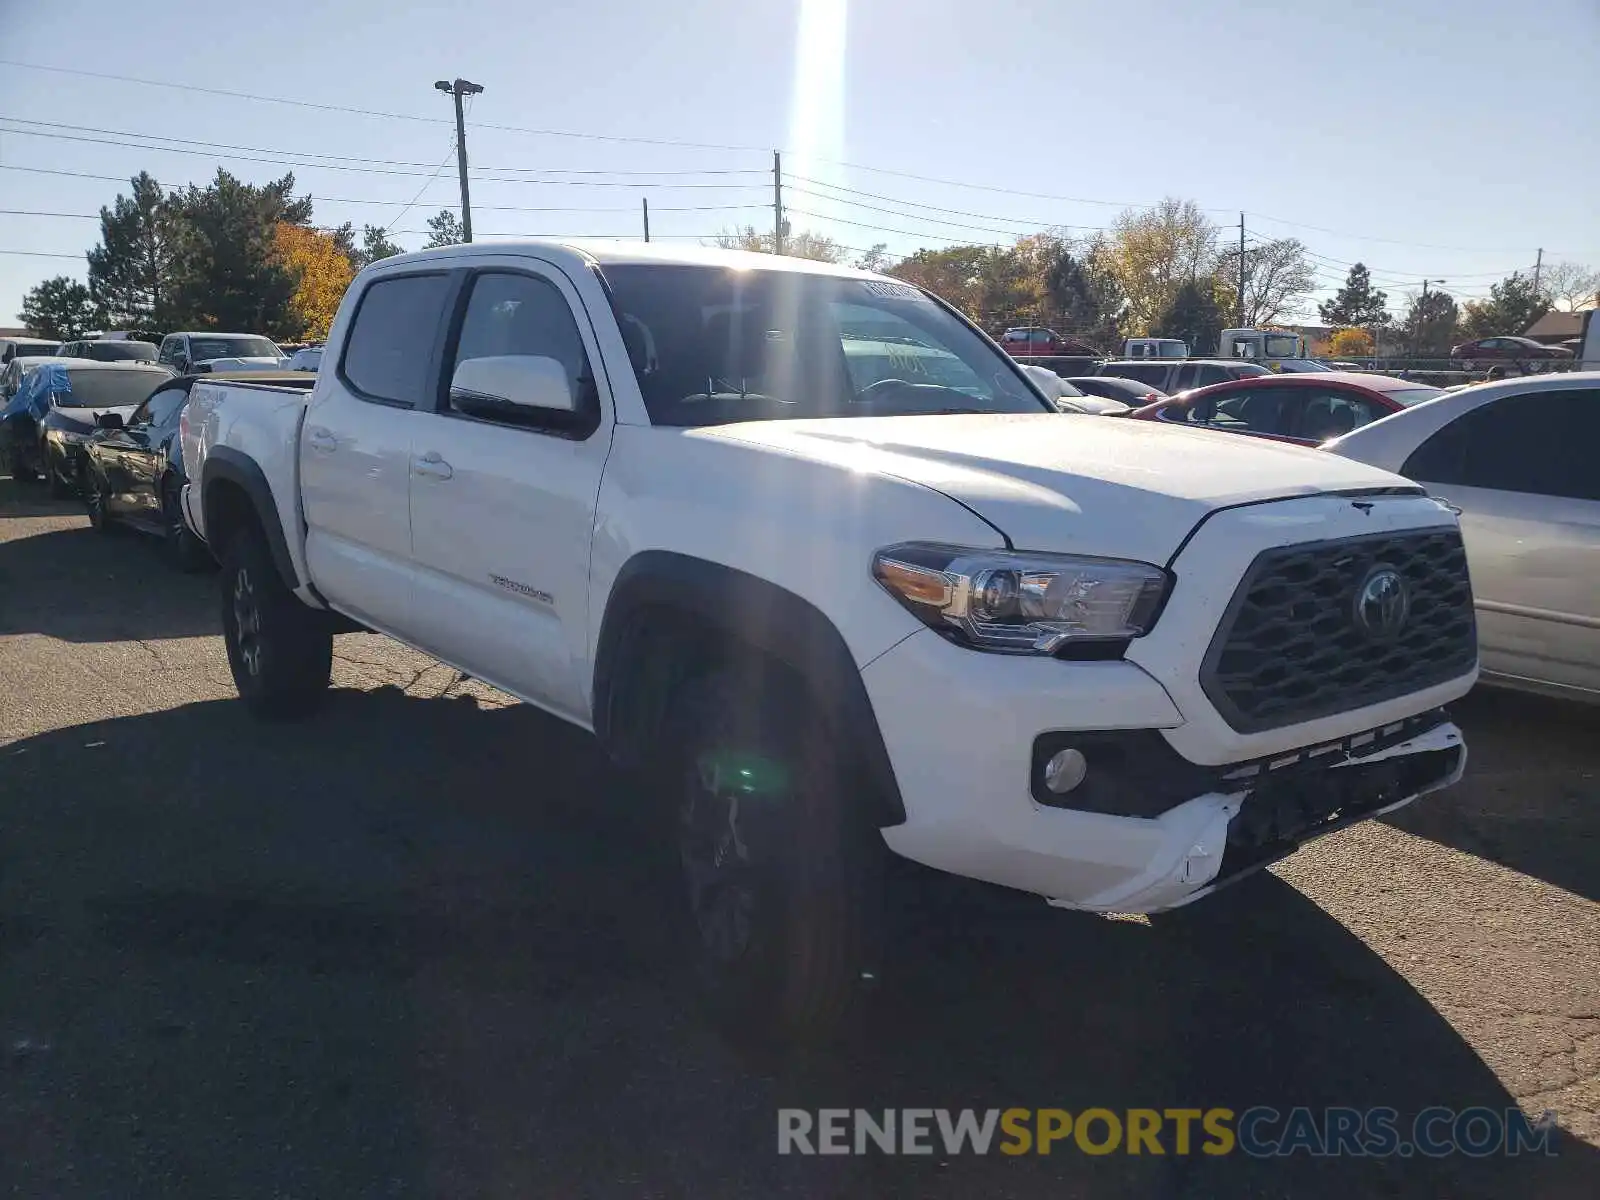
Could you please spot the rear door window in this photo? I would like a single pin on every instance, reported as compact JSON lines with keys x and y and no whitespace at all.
{"x":391,"y":343}
{"x":1538,"y":443}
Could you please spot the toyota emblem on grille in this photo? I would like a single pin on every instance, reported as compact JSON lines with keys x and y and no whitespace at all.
{"x":1383,"y":602}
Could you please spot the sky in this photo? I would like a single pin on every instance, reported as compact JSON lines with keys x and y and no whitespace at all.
{"x":1438,"y":139}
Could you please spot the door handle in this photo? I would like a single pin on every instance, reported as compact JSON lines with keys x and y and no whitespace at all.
{"x":432,"y":466}
{"x":322,"y":439}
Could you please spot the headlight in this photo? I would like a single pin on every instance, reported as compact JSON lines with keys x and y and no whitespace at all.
{"x":1021,"y":603}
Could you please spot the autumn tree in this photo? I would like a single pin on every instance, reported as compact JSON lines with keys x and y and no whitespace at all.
{"x":444,"y":229}
{"x":1357,"y":303}
{"x":132,"y":272}
{"x":1350,"y":343}
{"x":1152,"y":252}
{"x":375,"y":244}
{"x":1277,"y":278}
{"x":951,"y":273}
{"x":60,"y":308}
{"x":1512,"y":305}
{"x":1570,"y":285}
{"x":322,"y":272}
{"x":1430,"y":324}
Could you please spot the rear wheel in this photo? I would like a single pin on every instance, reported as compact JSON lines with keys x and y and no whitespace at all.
{"x":778,"y":864}
{"x":188,"y":553}
{"x":280,"y":651}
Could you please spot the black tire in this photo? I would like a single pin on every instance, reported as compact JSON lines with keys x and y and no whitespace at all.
{"x":780,"y":868}
{"x":96,"y":501}
{"x":279,"y":650}
{"x":187,"y":552}
{"x":20,"y":471}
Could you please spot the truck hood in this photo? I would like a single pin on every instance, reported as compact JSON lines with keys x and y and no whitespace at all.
{"x":1074,"y":483}
{"x":242,"y":364}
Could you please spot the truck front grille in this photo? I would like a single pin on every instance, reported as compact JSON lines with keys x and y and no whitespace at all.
{"x":1327,"y":627}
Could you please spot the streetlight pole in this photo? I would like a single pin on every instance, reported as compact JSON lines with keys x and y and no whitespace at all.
{"x":459,"y":88}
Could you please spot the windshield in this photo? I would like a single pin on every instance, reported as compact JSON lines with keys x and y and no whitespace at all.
{"x":711,"y":345}
{"x":110,"y":388}
{"x":122,"y":351}
{"x":202,"y":349}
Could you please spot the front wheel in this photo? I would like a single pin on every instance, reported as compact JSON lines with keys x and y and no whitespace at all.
{"x":779,"y":865}
{"x":279,"y":650}
{"x":60,"y":489}
{"x":187,"y":552}
{"x":97,"y":500}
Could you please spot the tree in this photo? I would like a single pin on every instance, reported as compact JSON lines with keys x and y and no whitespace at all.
{"x":445,"y":229}
{"x":1350,"y":343}
{"x":1357,"y":304}
{"x":1277,"y":277}
{"x":875,"y":259}
{"x":1192,"y":315}
{"x":132,"y":271}
{"x":1085,"y":294}
{"x":1570,"y":285}
{"x":375,"y":244}
{"x":322,"y":272}
{"x":229,"y":273}
{"x":795,"y":245}
{"x":951,"y":273}
{"x":1153,"y":252}
{"x":1511,"y":307}
{"x":1430,"y":324}
{"x":60,"y":308}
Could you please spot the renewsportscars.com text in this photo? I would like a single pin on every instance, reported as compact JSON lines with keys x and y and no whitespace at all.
{"x":1260,"y":1132}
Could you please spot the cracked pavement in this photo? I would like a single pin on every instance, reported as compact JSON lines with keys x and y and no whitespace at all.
{"x":409,"y":948}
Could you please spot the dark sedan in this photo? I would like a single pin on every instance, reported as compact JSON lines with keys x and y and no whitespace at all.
{"x":1508,"y":350}
{"x":55,"y":410}
{"x":134,"y":466}
{"x":1114,"y":387}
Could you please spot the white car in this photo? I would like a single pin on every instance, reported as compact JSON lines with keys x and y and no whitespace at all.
{"x":307,"y":358}
{"x":822,"y":570}
{"x":1519,"y":460}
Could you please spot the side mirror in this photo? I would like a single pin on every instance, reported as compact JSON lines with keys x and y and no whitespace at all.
{"x":511,"y":387}
{"x":109,"y":420}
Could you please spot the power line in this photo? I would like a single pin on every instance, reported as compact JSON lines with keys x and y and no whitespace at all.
{"x":910,"y":216}
{"x":42,"y":253}
{"x":959,"y":212}
{"x":368,"y":112}
{"x":351,"y":158}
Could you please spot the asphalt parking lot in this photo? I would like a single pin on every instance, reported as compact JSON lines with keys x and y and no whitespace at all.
{"x":406,"y":950}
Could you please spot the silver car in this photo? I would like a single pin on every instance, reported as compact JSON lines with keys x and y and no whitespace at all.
{"x":1521,"y":460}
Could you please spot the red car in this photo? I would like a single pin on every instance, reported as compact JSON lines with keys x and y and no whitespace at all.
{"x":1306,"y":409}
{"x":1033,"y":341}
{"x":1507,"y":349}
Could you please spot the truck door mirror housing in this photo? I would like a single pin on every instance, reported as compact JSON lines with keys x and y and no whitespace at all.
{"x":499,"y":385}
{"x":109,"y":420}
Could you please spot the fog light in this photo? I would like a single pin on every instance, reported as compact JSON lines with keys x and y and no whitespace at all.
{"x":1065,"y":770}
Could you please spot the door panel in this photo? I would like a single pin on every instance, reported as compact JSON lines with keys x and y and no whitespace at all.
{"x":1535,"y":563}
{"x":356,"y":442}
{"x":502,"y":514}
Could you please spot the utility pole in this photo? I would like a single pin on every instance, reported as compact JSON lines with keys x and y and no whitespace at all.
{"x":1538,"y":268}
{"x":777,"y":202}
{"x":459,"y":88}
{"x":1241,"y":270}
{"x":646,"y":202}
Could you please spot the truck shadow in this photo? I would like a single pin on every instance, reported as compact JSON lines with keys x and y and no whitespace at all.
{"x":408,"y":940}
{"x":1530,"y":800}
{"x":82,"y":586}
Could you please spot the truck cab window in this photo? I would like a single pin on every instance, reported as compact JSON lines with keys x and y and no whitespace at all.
{"x":391,"y":341}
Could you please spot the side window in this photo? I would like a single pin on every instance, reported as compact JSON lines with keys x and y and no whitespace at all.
{"x":1538,"y":443}
{"x":162,"y":409}
{"x":1252,"y":410}
{"x":1187,"y":375}
{"x":391,"y":340}
{"x":511,"y":314}
{"x":169,"y":349}
{"x":1328,"y":414}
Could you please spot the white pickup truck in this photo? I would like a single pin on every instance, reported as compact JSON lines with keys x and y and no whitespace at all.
{"x":809,"y":554}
